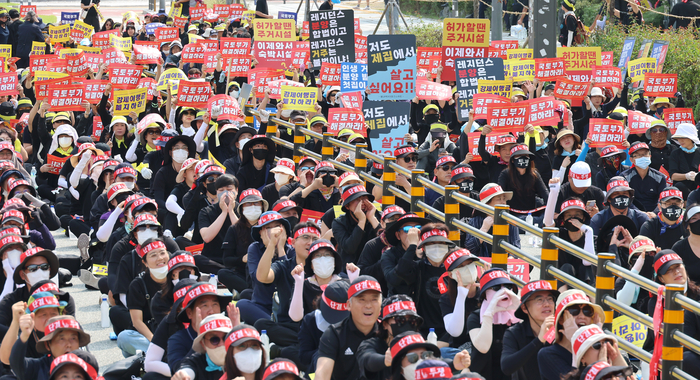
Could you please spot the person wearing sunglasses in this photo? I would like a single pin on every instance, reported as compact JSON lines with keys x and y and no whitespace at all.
{"x":443,"y":174}
{"x":305,"y":174}
{"x":407,"y":158}
{"x":408,"y":350}
{"x":209,"y":357}
{"x":590,"y":344}
{"x":370,"y":261}
{"x":403,"y":236}
{"x":491,"y":194}
{"x":436,"y":146}
{"x":661,"y":150}
{"x":323,"y":192}
{"x":574,"y":310}
{"x":463,"y":176}
{"x":524,"y":181}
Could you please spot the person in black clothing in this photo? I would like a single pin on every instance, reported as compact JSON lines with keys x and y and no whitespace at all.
{"x":261,"y":10}
{"x":258,"y":156}
{"x":323,"y":193}
{"x":567,"y":147}
{"x":284,"y":175}
{"x":522,"y":341}
{"x":181,"y":266}
{"x":358,"y":225}
{"x":521,"y":177}
{"x":687,"y":247}
{"x":78,"y":363}
{"x":245,"y":355}
{"x":305,"y":176}
{"x":628,"y":12}
{"x":463,"y":176}
{"x":397,"y":235}
{"x":91,"y":17}
{"x":317,"y":124}
{"x":370,"y":261}
{"x":442,"y":175}
{"x":176,"y":151}
{"x":647,"y":182}
{"x":611,"y":159}
{"x":684,"y":161}
{"x":579,"y":186}
{"x":215,"y":220}
{"x":686,"y":10}
{"x":200,"y":197}
{"x":208,"y":355}
{"x":459,"y":292}
{"x":339,"y":345}
{"x":495,"y":165}
{"x":661,"y":150}
{"x":567,"y":30}
{"x":407,"y":350}
{"x":407,"y":158}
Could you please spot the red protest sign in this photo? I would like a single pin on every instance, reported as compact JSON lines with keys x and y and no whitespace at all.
{"x":55,"y":163}
{"x":259,"y":78}
{"x":311,"y":216}
{"x":429,"y":90}
{"x":499,"y":49}
{"x":231,"y":46}
{"x":97,"y":128}
{"x":346,"y":118}
{"x":94,"y":61}
{"x":124,"y":76}
{"x":114,"y":56}
{"x":167,"y":34}
{"x":275,"y":86}
{"x":238,"y":66}
{"x":56,"y":65}
{"x":209,"y":45}
{"x":223,"y":10}
{"x":38,"y":62}
{"x":360,"y":49}
{"x":549,"y":68}
{"x":607,"y":76}
{"x":568,"y":89}
{"x":152,"y":44}
{"x":330,"y":74}
{"x":351,"y":100}
{"x":151,"y":84}
{"x":660,"y":84}
{"x":490,"y":144}
{"x":210,"y":61}
{"x":101,"y":39}
{"x":604,"y":132}
{"x":424,"y":53}
{"x":94,"y":89}
{"x":23,"y":9}
{"x":8,"y":84}
{"x":146,"y":55}
{"x":300,"y":54}
{"x":638,"y":122}
{"x":67,"y":98}
{"x":195,"y":250}
{"x":77,"y":65}
{"x":505,"y":118}
{"x":606,"y":58}
{"x":230,"y":108}
{"x":42,"y":86}
{"x":197,"y":13}
{"x":516,"y":268}
{"x":675,"y":116}
{"x":434,"y":65}
{"x":193,"y":94}
{"x":542,"y":111}
{"x":193,"y":53}
{"x":480,"y":102}
{"x":356,"y":25}
{"x":179,"y":22}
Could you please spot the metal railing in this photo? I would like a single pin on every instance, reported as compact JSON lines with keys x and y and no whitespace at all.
{"x":674,"y":339}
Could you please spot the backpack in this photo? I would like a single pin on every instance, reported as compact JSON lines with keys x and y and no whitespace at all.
{"x":580,"y":34}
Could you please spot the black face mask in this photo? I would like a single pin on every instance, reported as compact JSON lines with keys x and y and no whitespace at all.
{"x":396,"y":329}
{"x":466,"y":187}
{"x":660,"y":110}
{"x":430,"y":119}
{"x":184,"y":274}
{"x":293,"y":220}
{"x":211,"y":188}
{"x":695,"y":228}
{"x":672,"y":213}
{"x":260,"y":154}
{"x":620,"y":202}
{"x":328,"y":180}
{"x":570,"y":226}
{"x":522,"y":162}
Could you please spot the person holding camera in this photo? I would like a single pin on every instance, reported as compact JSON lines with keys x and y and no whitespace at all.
{"x":407,"y":158}
{"x":322,"y":193}
{"x":435,"y":146}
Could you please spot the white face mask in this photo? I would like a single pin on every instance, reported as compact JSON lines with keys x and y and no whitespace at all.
{"x":159,"y":273}
{"x":409,"y":371}
{"x":130,"y":185}
{"x":468,"y":274}
{"x":145,"y":235}
{"x":252,"y":213}
{"x":39,"y":275}
{"x":323,"y":266}
{"x":286,"y":113}
{"x":234,"y":94}
{"x":241,"y":142}
{"x":248,"y":360}
{"x":13,"y":256}
{"x":281,"y":178}
{"x":65,"y":142}
{"x":217,"y":355}
{"x":180,"y":155}
{"x":436,"y":252}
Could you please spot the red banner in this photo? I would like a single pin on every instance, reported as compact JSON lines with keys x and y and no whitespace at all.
{"x":360,"y":49}
{"x":675,"y":116}
{"x":42,"y":86}
{"x":56,"y":65}
{"x":223,"y":10}
{"x":660,"y":84}
{"x":77,"y":65}
{"x":230,"y":108}
{"x":606,"y":58}
{"x":424,"y":53}
{"x":300,"y":54}
{"x":346,"y":118}
{"x":274,"y":55}
{"x":55,"y":163}
{"x":38,"y":62}
{"x":238,"y":66}
{"x":94,"y":61}
{"x":67,"y":98}
{"x":193,"y":94}
{"x":542,"y":111}
{"x":568,"y":89}
{"x":517,"y":268}
{"x":167,"y":34}
{"x":179,"y":22}
{"x":210,"y":61}
{"x":259,"y":78}
{"x":352,"y":100}
{"x":114,"y":56}
{"x":94,"y":89}
{"x":8,"y":84}
{"x":124,"y":76}
{"x":638,"y":122}
{"x":604,"y":132}
{"x":236,"y":11}
{"x":505,"y":118}
{"x":23,"y":9}
{"x":429,"y":90}
{"x":450,"y":53}
{"x":101,"y":39}
{"x":499,"y":49}
{"x":151,"y":84}
{"x":193,"y":53}
{"x":311,"y":216}
{"x":490,"y":141}
{"x":330,"y":74}
{"x":480,"y":102}
{"x":146,"y":55}
{"x":607,"y":76}
{"x":197,"y":13}
{"x":97,"y":128}
{"x":549,"y":68}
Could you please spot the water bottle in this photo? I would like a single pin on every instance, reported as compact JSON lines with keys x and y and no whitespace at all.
{"x":213,"y":280}
{"x":265,"y":343}
{"x":529,"y":238}
{"x":538,"y":240}
{"x":33,"y":175}
{"x":104,"y":308}
{"x":432,"y":337}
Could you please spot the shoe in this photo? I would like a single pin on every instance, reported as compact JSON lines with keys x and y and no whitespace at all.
{"x":357,"y":7}
{"x":367,"y":8}
{"x":83,"y":245}
{"x":88,"y":279}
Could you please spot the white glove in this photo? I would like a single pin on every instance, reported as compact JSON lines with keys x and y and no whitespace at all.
{"x":493,"y":304}
{"x":37,"y":203}
{"x":690,"y":176}
{"x":146,"y":173}
{"x":179,"y":218}
{"x":264,"y":116}
{"x":119,"y":158}
{"x":554,"y":187}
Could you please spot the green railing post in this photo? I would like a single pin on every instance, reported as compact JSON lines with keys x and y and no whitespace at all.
{"x":550,"y":256}
{"x":360,"y":159}
{"x":299,"y":140}
{"x":452,"y":213}
{"x":388,"y":178}
{"x":417,"y":192}
{"x":672,"y":351}
{"x":605,"y":286}
{"x":499,"y":256}
{"x":327,"y":147}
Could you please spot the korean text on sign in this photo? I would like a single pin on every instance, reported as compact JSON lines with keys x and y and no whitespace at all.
{"x":128,"y":101}
{"x":675,"y":116}
{"x":429,"y":90}
{"x":549,"y":68}
{"x":295,"y":98}
{"x":193,"y":94}
{"x":607,"y":76}
{"x":497,"y":87}
{"x":388,"y":123}
{"x":641,"y":66}
{"x":230,"y":109}
{"x":346,"y":118}
{"x":506,"y":117}
{"x":391,"y":67}
{"x":638,"y":122}
{"x":274,"y":30}
{"x":604,"y":132}
{"x":568,"y":89}
{"x":332,"y":37}
{"x":67,"y":98}
{"x":579,"y":58}
{"x":660,"y":84}
{"x":480,"y":103}
{"x":353,"y":77}
{"x":469,"y":71}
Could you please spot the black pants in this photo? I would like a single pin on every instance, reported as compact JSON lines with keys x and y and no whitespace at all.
{"x":153,"y":376}
{"x":232,"y":280}
{"x":207,"y":265}
{"x":120,"y":317}
{"x":79,"y":227}
{"x":45,"y":192}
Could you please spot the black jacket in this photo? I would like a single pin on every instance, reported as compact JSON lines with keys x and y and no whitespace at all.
{"x":520,"y":348}
{"x":351,"y":238}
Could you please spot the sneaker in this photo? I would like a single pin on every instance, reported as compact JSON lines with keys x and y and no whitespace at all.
{"x":357,"y":7}
{"x":88,"y":279}
{"x":83,"y":245}
{"x":367,"y":8}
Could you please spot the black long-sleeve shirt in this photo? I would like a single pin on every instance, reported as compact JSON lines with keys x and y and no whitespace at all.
{"x":526,"y":199}
{"x":520,"y":348}
{"x":350,"y":237}
{"x":28,"y":368}
{"x":370,"y":261}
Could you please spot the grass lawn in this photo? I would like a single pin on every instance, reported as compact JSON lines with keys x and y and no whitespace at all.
{"x":48,"y":19}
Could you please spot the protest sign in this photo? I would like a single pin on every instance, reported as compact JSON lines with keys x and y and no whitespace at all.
{"x":351,"y":99}
{"x":274,"y":30}
{"x":150,"y":84}
{"x":353,"y":77}
{"x":675,"y":116}
{"x":127,"y":101}
{"x":287,"y":15}
{"x":94,"y":61}
{"x":76,"y":65}
{"x":391,"y":67}
{"x":577,"y":59}
{"x":522,"y":70}
{"x":429,"y":90}
{"x":101,"y":39}
{"x":80,"y":30}
{"x":606,"y":58}
{"x":641,"y":66}
{"x":295,"y":98}
{"x":180,"y":22}
{"x":463,"y":38}
{"x":146,"y":55}
{"x":223,"y":10}
{"x":480,"y":102}
{"x":38,"y":48}
{"x":517,"y":268}
{"x":193,"y":94}
{"x":124,"y":75}
{"x":346,"y":118}
{"x":660,"y":85}
{"x":197,"y":13}
{"x":170,"y":76}
{"x":153,"y":26}
{"x":275,"y":55}
{"x":210,"y":61}
{"x":626,"y":54}
{"x":630,"y":330}
{"x":59,"y":33}
{"x":42,"y":86}
{"x":569,"y":89}
{"x":55,"y":65}
{"x":97,"y":128}
{"x":549,"y":68}
{"x":604,"y":132}
{"x":638,"y":122}
{"x":300,"y":54}
{"x":231,"y":47}
{"x":519,"y":54}
{"x":499,"y":49}
{"x":8,"y":84}
{"x":275,"y":86}
{"x":504,"y":118}
{"x":55,"y":163}
{"x":94,"y":89}
{"x":468,"y":73}
{"x":230,"y":108}
{"x":114,"y":56}
{"x":330,"y":74}
{"x":332,"y":37}
{"x":542,"y":111}
{"x":497,"y":87}
{"x":237,"y":65}
{"x":67,"y":98}
{"x":607,"y":76}
{"x":489,"y":143}
{"x":659,"y":51}
{"x":193,"y":53}
{"x":121,"y":43}
{"x":360,"y":49}
{"x":164,"y":34}
{"x":23,"y":9}
{"x":387,"y":124}
{"x":424,"y":54}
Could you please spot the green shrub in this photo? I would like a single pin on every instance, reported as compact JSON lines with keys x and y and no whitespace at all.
{"x":428,"y":34}
{"x":683,"y":57}
{"x":431,"y":9}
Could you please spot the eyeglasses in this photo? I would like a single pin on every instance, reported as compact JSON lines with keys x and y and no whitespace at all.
{"x":403,"y":320}
{"x":322,"y":254}
{"x":576,"y":309}
{"x":408,"y":228}
{"x":541,"y":300}
{"x":35,"y":267}
{"x":144,"y":228}
{"x":211,"y":179}
{"x":658,"y":130}
{"x":414,"y":356}
{"x":598,"y":345}
{"x":648,"y":154}
{"x":446,"y":167}
{"x":412,"y":157}
{"x":215,"y":341}
{"x":306,"y":237}
{"x":153,"y":132}
{"x":312,"y":168}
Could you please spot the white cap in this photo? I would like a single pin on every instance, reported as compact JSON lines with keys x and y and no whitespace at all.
{"x":596,"y":91}
{"x":688,"y":131}
{"x":580,"y":174}
{"x":583,"y":339}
